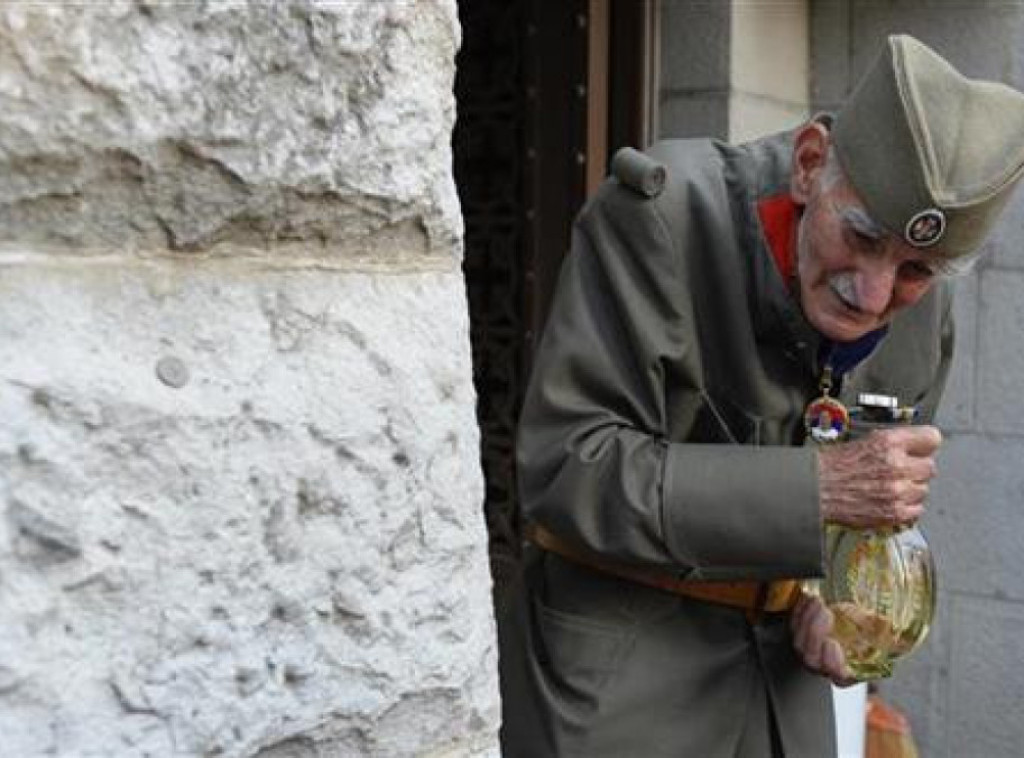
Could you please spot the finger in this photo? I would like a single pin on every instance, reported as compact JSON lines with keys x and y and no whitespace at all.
{"x":919,"y":440}
{"x":833,"y":662}
{"x":910,"y":493}
{"x":920,"y":468}
{"x":800,"y":610}
{"x":908,"y":514}
{"x":804,"y":611}
{"x":819,"y":624}
{"x":804,"y":606}
{"x":798,"y":625}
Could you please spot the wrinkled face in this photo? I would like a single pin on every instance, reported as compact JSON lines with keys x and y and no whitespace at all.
{"x":854,"y":276}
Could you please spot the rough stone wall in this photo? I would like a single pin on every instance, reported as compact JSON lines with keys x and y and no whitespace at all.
{"x":963,"y":691}
{"x":240,"y":500}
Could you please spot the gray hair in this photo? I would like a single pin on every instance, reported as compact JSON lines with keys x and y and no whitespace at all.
{"x":832,"y":173}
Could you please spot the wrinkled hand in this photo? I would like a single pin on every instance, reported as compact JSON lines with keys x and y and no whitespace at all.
{"x":878,"y":480}
{"x":811,"y":624}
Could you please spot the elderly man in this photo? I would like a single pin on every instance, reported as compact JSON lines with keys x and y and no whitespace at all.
{"x":699,"y":320}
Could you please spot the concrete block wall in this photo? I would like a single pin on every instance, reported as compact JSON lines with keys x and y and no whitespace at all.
{"x":962,"y":691}
{"x":770,"y":65}
{"x":240,"y":498}
{"x":733,"y":70}
{"x":695,"y":69}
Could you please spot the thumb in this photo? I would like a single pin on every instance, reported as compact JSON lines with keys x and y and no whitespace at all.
{"x":920,"y":440}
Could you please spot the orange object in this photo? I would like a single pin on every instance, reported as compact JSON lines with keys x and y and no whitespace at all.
{"x":888,"y":732}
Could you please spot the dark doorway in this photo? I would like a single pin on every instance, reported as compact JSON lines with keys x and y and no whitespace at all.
{"x":546,"y":91}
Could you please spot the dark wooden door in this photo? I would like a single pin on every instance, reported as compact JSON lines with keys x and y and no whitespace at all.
{"x":545,"y":91}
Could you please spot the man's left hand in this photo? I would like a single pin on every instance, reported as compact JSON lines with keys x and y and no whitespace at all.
{"x":811,"y":624}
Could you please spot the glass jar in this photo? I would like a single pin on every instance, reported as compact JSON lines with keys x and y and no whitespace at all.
{"x":880,"y":583}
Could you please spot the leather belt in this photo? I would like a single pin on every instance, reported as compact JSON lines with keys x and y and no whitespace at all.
{"x":753,"y":597}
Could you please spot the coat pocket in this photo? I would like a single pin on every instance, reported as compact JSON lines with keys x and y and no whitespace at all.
{"x":579,"y":657}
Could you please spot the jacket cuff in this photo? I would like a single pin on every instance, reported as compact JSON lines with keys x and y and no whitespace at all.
{"x":736,"y":512}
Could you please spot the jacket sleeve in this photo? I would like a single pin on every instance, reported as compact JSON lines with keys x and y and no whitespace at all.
{"x":616,"y":385}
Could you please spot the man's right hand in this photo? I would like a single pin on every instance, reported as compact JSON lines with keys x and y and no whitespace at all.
{"x":878,"y":480}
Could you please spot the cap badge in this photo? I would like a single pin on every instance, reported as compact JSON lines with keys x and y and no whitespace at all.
{"x":925,"y":228}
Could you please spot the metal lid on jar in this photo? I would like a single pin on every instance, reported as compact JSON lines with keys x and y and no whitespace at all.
{"x":878,"y":408}
{"x":876,"y":400}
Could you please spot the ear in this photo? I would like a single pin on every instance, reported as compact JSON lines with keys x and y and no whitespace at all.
{"x":810,"y":153}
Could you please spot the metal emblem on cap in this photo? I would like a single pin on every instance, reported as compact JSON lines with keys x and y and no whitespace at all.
{"x":925,"y":228}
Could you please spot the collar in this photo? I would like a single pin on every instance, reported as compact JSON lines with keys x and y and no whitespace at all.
{"x":843,"y":356}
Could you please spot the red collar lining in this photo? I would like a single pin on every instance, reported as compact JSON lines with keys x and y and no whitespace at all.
{"x":779,"y":216}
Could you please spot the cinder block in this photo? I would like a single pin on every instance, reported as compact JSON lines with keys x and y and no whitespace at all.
{"x":956,"y":413}
{"x":770,"y":50}
{"x":978,"y":38}
{"x":1006,"y":239}
{"x":830,"y":60}
{"x":1000,"y":370}
{"x":752,"y":116}
{"x":986,"y":689}
{"x":1018,"y":56}
{"x":920,"y":686}
{"x":683,"y":115}
{"x":974,"y":517}
{"x":695,"y":45}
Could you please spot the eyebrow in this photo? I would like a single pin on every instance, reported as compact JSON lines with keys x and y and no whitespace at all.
{"x":862,"y":222}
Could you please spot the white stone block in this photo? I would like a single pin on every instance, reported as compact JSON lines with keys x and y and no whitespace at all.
{"x":240,"y":492}
{"x":288,"y":548}
{"x":770,"y":50}
{"x":191,"y":125}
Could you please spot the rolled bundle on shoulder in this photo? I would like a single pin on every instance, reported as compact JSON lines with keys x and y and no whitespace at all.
{"x":639,"y":172}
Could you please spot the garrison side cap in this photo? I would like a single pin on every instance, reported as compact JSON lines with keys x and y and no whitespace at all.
{"x":934,"y":155}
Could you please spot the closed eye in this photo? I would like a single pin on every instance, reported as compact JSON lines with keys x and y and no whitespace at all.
{"x":862,"y":240}
{"x":916,"y":271}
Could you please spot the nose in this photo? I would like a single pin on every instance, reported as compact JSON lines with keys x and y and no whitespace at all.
{"x":876,"y":284}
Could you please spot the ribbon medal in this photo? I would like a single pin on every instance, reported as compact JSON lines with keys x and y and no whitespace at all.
{"x":825,"y":418}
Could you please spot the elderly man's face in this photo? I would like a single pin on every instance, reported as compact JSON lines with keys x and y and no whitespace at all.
{"x":853,"y":276}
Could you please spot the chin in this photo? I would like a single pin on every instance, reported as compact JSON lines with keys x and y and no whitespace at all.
{"x":840,"y":329}
{"x":846,"y":335}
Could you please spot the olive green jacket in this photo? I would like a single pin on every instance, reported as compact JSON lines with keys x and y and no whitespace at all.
{"x":663,"y":427}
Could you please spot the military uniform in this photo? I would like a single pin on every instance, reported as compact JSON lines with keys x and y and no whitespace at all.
{"x":663,"y":429}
